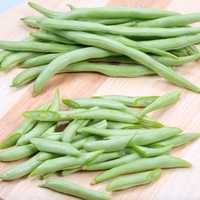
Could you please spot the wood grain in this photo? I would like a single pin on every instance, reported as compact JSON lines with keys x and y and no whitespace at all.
{"x":175,"y":184}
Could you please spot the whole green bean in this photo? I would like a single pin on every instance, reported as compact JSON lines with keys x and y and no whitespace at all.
{"x":73,"y":189}
{"x":15,"y":59}
{"x":73,"y":25}
{"x":31,"y":21}
{"x":151,"y":152}
{"x":178,"y":140}
{"x":17,"y":153}
{"x":63,"y":61}
{"x":115,"y":12}
{"x":55,"y":147}
{"x":26,"y":167}
{"x":112,"y":163}
{"x":46,"y":36}
{"x":173,"y":43}
{"x":92,"y":102}
{"x":36,"y":46}
{"x":171,"y":21}
{"x":62,"y":163}
{"x":71,"y":130}
{"x":161,"y":102}
{"x":141,"y":101}
{"x":130,"y":181}
{"x":141,"y":165}
{"x":46,"y":12}
{"x":140,"y":57}
{"x":100,"y":114}
{"x":40,"y":60}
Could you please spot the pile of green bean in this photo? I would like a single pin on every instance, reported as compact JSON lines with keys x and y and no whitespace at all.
{"x":110,"y":133}
{"x":117,"y":42}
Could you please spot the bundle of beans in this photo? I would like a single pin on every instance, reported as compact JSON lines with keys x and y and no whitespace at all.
{"x":126,"y":42}
{"x":108,"y":133}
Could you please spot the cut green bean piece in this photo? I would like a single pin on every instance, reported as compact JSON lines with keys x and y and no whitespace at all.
{"x":178,"y":140}
{"x":100,"y":114}
{"x":142,"y":101}
{"x":62,"y":163}
{"x":112,"y":145}
{"x":26,"y":167}
{"x":73,"y":189}
{"x":17,"y":153}
{"x":55,"y":147}
{"x":152,"y":152}
{"x":130,"y":181}
{"x":88,"y":103}
{"x":112,"y":163}
{"x":171,"y":21}
{"x":161,"y":102}
{"x":36,"y":46}
{"x":71,"y":130}
{"x":141,"y":165}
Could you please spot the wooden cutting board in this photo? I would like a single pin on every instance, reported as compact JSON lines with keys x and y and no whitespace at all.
{"x":175,"y":184}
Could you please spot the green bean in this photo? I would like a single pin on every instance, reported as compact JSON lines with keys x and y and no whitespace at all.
{"x":35,"y":132}
{"x":40,"y":60}
{"x":112,"y":163}
{"x":140,"y":57}
{"x":72,"y":25}
{"x":151,"y":152}
{"x":88,"y":103}
{"x":127,"y":132}
{"x":46,"y":12}
{"x":100,"y":124}
{"x":141,"y":165}
{"x":120,"y":125}
{"x":111,"y":145}
{"x":17,"y":153}
{"x":70,"y":171}
{"x":110,"y":21}
{"x":26,"y":167}
{"x":31,"y":21}
{"x":171,"y":21}
{"x":137,"y":45}
{"x":173,"y":43}
{"x":114,"y":12}
{"x":49,"y":131}
{"x":130,"y":181}
{"x":57,"y":136}
{"x":141,"y":101}
{"x":15,"y":59}
{"x":62,"y":163}
{"x":106,"y":157}
{"x":100,"y":114}
{"x":55,"y":147}
{"x":178,"y":140}
{"x":161,"y":102}
{"x":71,"y":130}
{"x":3,"y":55}
{"x":63,"y":61}
{"x":36,"y":46}
{"x":25,"y":127}
{"x":80,"y":143}
{"x":46,"y":36}
{"x":73,"y":189}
